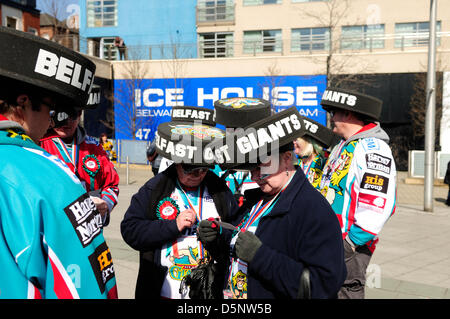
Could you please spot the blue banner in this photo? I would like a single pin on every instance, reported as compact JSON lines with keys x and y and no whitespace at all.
{"x":140,"y":105}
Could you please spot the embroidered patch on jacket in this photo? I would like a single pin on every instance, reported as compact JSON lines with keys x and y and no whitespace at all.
{"x":101,"y":262}
{"x":85,"y":218}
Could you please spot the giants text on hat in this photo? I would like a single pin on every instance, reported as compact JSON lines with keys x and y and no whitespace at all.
{"x":339,"y":97}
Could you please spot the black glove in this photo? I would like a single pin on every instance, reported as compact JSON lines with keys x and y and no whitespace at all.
{"x":207,"y":232}
{"x":247,"y":244}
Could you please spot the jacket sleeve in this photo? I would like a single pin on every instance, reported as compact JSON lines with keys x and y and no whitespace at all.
{"x":109,"y":183}
{"x":313,"y":240}
{"x":141,"y":232}
{"x":373,"y":192}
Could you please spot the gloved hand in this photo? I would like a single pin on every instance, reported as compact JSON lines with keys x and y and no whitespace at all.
{"x":247,"y":244}
{"x":207,"y":232}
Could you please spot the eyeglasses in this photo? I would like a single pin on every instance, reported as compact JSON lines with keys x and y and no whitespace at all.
{"x":190,"y":169}
{"x":51,"y":113}
{"x":257,"y":170}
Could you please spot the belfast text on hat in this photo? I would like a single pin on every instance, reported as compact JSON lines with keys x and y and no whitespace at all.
{"x":64,"y":70}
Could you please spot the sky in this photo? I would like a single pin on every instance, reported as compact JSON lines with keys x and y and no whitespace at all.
{"x":65,"y":7}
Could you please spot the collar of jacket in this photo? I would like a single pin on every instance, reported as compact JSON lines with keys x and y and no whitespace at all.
{"x":284,"y":203}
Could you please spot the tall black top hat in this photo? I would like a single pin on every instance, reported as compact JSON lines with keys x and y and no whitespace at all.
{"x":322,"y":134}
{"x":251,"y":145}
{"x":47,"y":65}
{"x":352,"y":101}
{"x":185,"y":139}
{"x":241,"y":111}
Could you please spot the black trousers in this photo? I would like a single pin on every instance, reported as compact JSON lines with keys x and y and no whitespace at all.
{"x":356,"y":263}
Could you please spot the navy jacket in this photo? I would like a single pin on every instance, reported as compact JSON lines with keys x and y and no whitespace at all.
{"x":300,"y":231}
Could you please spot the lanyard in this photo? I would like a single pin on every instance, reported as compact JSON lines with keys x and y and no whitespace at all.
{"x":306,"y":168}
{"x":198,"y":212}
{"x":74,"y":158}
{"x":260,"y":210}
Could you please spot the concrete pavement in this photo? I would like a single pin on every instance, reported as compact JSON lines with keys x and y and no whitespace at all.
{"x":412,"y":259}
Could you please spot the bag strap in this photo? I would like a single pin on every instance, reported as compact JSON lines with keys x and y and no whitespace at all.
{"x":304,"y":291}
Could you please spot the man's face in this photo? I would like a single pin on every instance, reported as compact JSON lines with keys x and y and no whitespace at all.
{"x":36,"y":123}
{"x":338,"y":120}
{"x":191,"y":176}
{"x":66,"y":124}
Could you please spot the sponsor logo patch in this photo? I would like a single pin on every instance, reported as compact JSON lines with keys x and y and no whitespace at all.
{"x":85,"y":219}
{"x":102,"y":265}
{"x":373,"y":202}
{"x":375,"y":182}
{"x":378,"y":162}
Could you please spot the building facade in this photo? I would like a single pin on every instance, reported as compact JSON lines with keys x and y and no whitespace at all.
{"x":151,"y":29}
{"x":277,"y":48}
{"x":20,"y":15}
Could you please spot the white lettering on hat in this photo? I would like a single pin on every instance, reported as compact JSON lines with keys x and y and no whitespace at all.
{"x":94,"y":98}
{"x":339,"y":97}
{"x":311,"y":126}
{"x":63,"y":69}
{"x":265,"y":135}
{"x":61,"y":116}
{"x":192,"y":114}
{"x":176,"y":150}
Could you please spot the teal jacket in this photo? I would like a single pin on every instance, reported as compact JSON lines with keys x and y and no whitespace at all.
{"x":51,"y":238}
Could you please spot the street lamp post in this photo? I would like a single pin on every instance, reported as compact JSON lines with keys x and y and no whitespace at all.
{"x":430,"y":112}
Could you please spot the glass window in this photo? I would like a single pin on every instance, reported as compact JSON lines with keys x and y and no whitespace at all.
{"x":262,"y":41}
{"x":414,"y":34}
{"x":101,"y":13}
{"x":310,"y":39}
{"x":216,"y":45}
{"x":215,"y":10}
{"x":362,"y":37}
{"x":260,"y":2}
{"x":307,"y":0}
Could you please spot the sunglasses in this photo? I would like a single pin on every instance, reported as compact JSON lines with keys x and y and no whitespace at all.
{"x":191,"y":169}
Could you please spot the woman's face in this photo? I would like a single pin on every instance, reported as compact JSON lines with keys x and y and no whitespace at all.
{"x":272,"y":176}
{"x":191,"y":178}
{"x":303,"y":148}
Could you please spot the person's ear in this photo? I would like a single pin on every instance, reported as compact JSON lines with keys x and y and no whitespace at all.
{"x":19,"y":111}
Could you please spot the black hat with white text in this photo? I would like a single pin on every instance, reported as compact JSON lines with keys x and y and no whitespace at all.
{"x":335,"y":98}
{"x":40,"y":63}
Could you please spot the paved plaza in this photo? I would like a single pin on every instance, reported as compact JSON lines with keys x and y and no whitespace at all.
{"x":412,"y":259}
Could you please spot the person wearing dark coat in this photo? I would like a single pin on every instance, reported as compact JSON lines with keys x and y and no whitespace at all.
{"x":288,"y":231}
{"x":161,"y":224}
{"x":447,"y":181}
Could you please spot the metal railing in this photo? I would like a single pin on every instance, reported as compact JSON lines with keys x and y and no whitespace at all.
{"x":220,"y":48}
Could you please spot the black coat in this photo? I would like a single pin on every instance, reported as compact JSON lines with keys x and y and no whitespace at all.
{"x":447,"y":174}
{"x":143,"y":231}
{"x":300,"y":231}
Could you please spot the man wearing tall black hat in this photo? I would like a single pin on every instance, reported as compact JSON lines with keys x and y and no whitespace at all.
{"x":358,"y":179}
{"x":51,"y":239}
{"x":83,"y":154}
{"x":312,"y":149}
{"x":161,"y":221}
